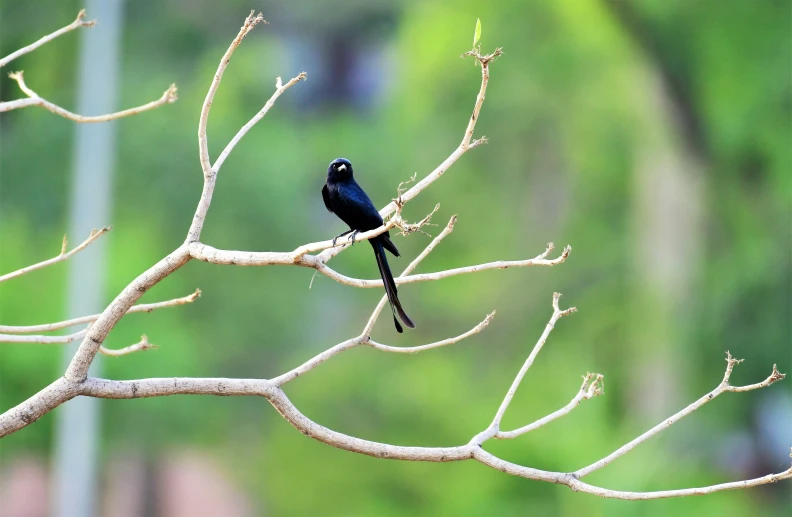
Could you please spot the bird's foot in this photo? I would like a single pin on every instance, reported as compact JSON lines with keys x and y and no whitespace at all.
{"x":352,"y":237}
{"x":340,"y":235}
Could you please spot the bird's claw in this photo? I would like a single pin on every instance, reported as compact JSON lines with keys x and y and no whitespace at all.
{"x":339,"y":236}
{"x":352,"y":237}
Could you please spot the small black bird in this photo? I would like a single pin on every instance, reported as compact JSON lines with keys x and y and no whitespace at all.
{"x":344,"y":197}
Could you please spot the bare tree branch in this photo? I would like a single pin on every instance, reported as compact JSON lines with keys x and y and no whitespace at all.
{"x":210,"y":178}
{"x":665,"y":424}
{"x":97,"y":333}
{"x":141,"y":345}
{"x":212,"y":255}
{"x":472,"y":450}
{"x":279,"y":89}
{"x":450,"y":341}
{"x":315,"y":361}
{"x":203,"y":145}
{"x":43,"y":340}
{"x":143,"y":307}
{"x":494,"y":426}
{"x":64,"y":255}
{"x":169,"y":97}
{"x":77,"y":23}
{"x":76,"y":382}
{"x":557,"y":315}
{"x":364,"y":337}
{"x":303,"y":250}
{"x":210,"y":175}
{"x":591,"y":387}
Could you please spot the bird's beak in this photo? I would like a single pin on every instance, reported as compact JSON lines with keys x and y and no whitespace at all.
{"x":342,"y":167}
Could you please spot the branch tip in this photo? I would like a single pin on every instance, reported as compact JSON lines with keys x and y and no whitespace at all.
{"x":488,"y":319}
{"x":140,"y":346}
{"x":550,"y":247}
{"x":171,"y":95}
{"x":250,"y":23}
{"x":593,"y":385}
{"x":775,"y":376}
{"x":81,"y":22}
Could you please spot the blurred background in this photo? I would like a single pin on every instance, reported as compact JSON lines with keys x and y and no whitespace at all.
{"x":652,"y":136}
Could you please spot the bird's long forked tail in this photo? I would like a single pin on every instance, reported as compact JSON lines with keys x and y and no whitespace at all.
{"x":390,"y":286}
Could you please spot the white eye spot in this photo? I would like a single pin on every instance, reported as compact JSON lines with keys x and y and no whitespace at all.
{"x":342,"y":167}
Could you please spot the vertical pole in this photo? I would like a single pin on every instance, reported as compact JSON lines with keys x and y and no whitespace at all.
{"x":76,"y":449}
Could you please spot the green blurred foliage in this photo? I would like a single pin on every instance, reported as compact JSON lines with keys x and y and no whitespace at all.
{"x":566,"y":117}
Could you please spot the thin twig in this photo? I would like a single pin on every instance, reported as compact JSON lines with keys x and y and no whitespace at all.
{"x":203,"y":146}
{"x":427,"y":277}
{"x":668,"y":422}
{"x":316,"y":361}
{"x":557,"y":314}
{"x":169,"y":97}
{"x":64,"y":255}
{"x":592,"y":387}
{"x":143,"y":307}
{"x":279,"y":89}
{"x":77,"y":23}
{"x":450,"y":341}
{"x":43,"y":340}
{"x":210,"y":176}
{"x":141,"y":345}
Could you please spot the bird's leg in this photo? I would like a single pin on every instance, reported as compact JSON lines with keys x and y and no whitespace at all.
{"x":341,"y":235}
{"x":352,"y":237}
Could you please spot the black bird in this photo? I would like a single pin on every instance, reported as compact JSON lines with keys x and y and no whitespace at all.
{"x":344,"y":197}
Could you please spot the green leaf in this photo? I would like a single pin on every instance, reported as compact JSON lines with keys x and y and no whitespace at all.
{"x":477,"y":34}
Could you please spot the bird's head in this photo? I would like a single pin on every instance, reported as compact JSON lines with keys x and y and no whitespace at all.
{"x":339,"y":169}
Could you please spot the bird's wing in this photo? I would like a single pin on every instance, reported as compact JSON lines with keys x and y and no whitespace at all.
{"x":326,"y":197}
{"x":366,"y":213}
